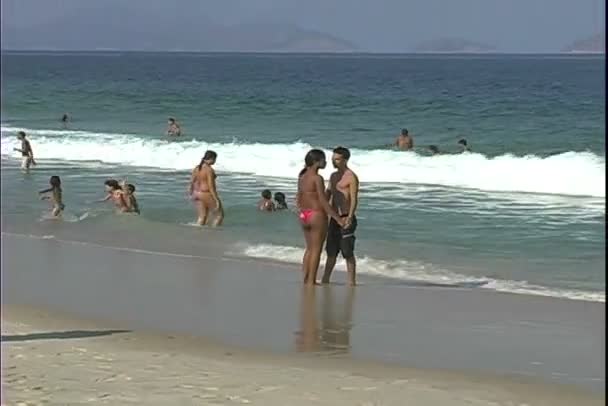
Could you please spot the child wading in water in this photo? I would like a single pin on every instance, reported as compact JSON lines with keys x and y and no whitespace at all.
{"x":280,"y":203}
{"x":266,"y":203}
{"x":130,"y":199}
{"x":55,"y":196}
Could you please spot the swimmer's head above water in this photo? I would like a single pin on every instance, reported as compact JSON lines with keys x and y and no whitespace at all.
{"x":434,"y":150}
{"x":111,"y":185}
{"x":405,"y":132}
{"x":21,"y":135}
{"x":266,"y":194}
{"x":279,"y":197}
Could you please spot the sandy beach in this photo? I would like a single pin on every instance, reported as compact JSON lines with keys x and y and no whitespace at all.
{"x":52,"y":359}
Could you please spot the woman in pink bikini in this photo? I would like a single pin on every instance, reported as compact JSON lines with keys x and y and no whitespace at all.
{"x":314,"y":209}
{"x":203,"y":190}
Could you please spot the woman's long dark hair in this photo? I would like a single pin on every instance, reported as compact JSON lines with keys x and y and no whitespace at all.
{"x":312,"y":157}
{"x":208,"y":156}
{"x":112,"y":183}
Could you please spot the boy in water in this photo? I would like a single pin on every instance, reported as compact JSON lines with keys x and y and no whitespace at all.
{"x":279,"y":198}
{"x":56,"y":197}
{"x":266,"y":204}
{"x":27,"y":153}
{"x":130,"y":199}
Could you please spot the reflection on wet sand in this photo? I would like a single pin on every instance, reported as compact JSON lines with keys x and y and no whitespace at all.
{"x":330,"y":332}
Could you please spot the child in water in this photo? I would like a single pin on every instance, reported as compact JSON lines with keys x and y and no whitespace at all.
{"x":55,"y":197}
{"x":130,"y":199}
{"x":279,"y":198}
{"x":266,"y":204}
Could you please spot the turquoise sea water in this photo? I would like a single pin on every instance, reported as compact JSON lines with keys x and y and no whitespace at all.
{"x":523,"y":213}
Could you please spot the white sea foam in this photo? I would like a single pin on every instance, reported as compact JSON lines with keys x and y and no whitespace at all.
{"x":421,"y":272}
{"x":569,"y":173}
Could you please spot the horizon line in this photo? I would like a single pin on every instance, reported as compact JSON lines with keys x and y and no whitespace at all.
{"x":338,"y":53}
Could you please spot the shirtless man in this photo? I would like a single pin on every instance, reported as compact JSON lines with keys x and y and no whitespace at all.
{"x":173,"y":129}
{"x":27,"y":153}
{"x":343,"y":194}
{"x":404,"y":141}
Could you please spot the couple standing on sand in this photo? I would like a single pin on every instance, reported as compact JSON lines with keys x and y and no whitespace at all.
{"x":339,"y":202}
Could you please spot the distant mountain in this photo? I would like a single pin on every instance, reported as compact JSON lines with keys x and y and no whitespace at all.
{"x":125,"y":27}
{"x":594,"y":44}
{"x":453,"y":45}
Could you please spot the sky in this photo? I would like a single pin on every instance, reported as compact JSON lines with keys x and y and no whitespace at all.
{"x":374,"y":25}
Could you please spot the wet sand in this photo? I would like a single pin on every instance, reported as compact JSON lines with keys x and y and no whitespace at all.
{"x":49,"y":358}
{"x":261,"y":306}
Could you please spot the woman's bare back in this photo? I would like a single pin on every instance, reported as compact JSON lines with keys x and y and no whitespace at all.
{"x":201,"y":176}
{"x":308,"y":193}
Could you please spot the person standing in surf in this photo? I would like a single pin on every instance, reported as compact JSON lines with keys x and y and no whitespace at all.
{"x":55,"y":197}
{"x":404,"y":141}
{"x":27,"y":154}
{"x":65,"y":119}
{"x":314,"y":209}
{"x":343,"y":193}
{"x":203,"y":190}
{"x":173,"y":128}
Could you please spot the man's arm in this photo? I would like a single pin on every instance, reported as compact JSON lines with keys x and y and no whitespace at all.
{"x":353,"y":191}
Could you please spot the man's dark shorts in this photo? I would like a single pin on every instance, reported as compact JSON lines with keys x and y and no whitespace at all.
{"x":341,"y":239}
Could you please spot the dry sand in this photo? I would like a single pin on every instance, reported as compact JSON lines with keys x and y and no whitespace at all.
{"x":51,"y":359}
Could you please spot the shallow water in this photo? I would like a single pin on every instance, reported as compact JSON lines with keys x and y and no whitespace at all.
{"x":523,"y":213}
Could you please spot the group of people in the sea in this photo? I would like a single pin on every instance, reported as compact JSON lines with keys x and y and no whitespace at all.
{"x":326,"y":214}
{"x":405,"y":142}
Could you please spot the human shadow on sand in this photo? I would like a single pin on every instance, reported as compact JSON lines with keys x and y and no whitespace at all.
{"x":61,"y":335}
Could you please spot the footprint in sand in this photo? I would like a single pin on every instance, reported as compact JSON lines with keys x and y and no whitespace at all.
{"x":238,"y":399}
{"x":264,"y":389}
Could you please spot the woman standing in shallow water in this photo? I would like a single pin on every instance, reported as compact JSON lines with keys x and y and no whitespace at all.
{"x":203,"y":190}
{"x":314,"y":209}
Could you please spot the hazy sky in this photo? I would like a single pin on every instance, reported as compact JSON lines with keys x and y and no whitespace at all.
{"x":374,"y":25}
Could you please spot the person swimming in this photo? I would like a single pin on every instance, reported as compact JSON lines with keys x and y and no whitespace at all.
{"x":266,"y":203}
{"x":434,"y":150}
{"x":314,"y":208}
{"x":463,"y":145}
{"x":56,"y":196}
{"x":115,"y":193}
{"x":280,"y":203}
{"x":203,"y":191}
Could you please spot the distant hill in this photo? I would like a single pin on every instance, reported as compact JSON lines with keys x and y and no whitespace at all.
{"x":453,"y":45}
{"x":594,"y":44}
{"x":126,"y":27}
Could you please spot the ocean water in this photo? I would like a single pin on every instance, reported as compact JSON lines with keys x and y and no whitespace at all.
{"x":523,"y":213}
